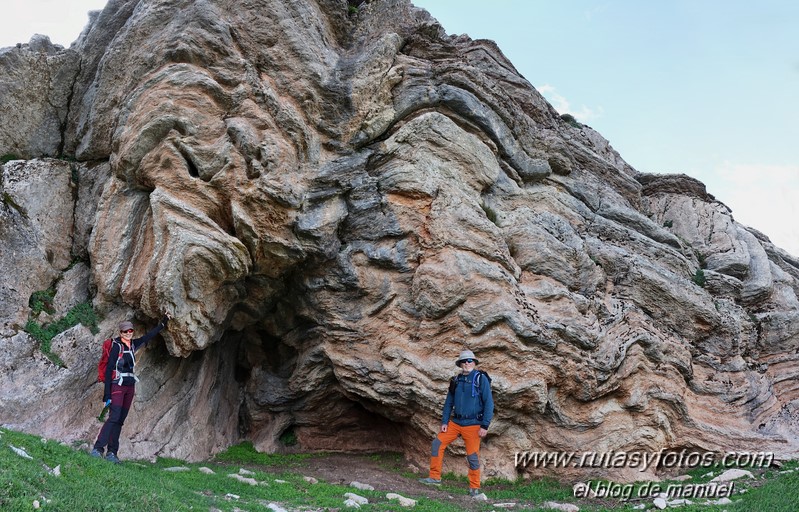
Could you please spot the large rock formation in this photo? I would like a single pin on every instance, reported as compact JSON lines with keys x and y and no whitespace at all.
{"x":333,"y":204}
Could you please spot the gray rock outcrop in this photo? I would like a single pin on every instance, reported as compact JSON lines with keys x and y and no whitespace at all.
{"x":332,"y":205}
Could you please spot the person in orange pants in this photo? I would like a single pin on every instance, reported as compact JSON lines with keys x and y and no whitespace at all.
{"x":468,"y":411}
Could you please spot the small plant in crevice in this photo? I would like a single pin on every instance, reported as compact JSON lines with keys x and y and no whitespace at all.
{"x":42,"y":301}
{"x":669,"y":223}
{"x":701,"y":259}
{"x":353,"y":6}
{"x":9,"y":202}
{"x":571,"y":120}
{"x":699,"y":277}
{"x":8,"y":157}
{"x":490,"y":213}
{"x":75,"y":260}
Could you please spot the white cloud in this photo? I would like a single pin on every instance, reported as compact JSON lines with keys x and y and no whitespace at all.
{"x":596,"y":10}
{"x":765,"y":197}
{"x":583,"y":114}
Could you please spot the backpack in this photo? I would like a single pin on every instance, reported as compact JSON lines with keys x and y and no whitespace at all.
{"x":453,"y":382}
{"x":101,"y":366}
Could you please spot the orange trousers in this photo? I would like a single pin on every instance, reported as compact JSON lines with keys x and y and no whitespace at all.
{"x":472,"y":440}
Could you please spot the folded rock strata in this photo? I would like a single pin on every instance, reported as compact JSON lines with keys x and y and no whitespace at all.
{"x":332,"y":205}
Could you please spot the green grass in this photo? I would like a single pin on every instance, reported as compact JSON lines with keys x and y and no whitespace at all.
{"x":83,"y":313}
{"x":89,"y":484}
{"x":245,"y":453}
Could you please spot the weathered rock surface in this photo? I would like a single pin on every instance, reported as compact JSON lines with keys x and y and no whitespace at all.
{"x":35,"y":88}
{"x":332,"y":206}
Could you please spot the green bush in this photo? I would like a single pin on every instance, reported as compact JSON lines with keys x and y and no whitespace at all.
{"x":83,"y":313}
{"x":571,"y":120}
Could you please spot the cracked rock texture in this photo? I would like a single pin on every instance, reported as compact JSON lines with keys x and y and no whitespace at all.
{"x":332,"y":205}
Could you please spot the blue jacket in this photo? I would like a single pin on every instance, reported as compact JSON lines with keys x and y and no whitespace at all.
{"x":471,"y":403}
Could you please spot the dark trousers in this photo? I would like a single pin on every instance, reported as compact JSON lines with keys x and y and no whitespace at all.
{"x":121,"y":400}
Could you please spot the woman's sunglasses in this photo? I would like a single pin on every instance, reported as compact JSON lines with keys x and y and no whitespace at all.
{"x":467,"y":360}
{"x":128,"y":331}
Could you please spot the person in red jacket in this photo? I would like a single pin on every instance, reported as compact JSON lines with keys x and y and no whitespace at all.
{"x":120,"y":386}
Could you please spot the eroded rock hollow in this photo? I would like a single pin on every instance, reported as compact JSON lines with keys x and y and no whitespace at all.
{"x":334,"y":202}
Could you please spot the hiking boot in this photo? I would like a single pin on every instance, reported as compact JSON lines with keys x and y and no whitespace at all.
{"x":430,"y":481}
{"x":96,"y":453}
{"x":474,"y":493}
{"x":112,"y":457}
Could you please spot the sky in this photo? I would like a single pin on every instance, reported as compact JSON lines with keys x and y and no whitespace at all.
{"x":708,"y":88}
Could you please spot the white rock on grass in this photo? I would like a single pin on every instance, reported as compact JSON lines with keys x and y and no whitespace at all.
{"x":363,"y":487}
{"x":206,"y":471}
{"x":360,"y":500}
{"x":245,"y":472}
{"x":660,"y":503}
{"x":311,"y":480}
{"x":177,"y":469}
{"x":733,"y":474}
{"x":274,"y":507}
{"x":243,"y":479}
{"x":403,"y":501}
{"x":20,"y":451}
{"x":351,"y":504}
{"x":505,"y":505}
{"x":564,"y":507}
{"x":721,"y":501}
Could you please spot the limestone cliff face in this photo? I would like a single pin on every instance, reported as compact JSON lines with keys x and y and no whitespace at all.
{"x":333,"y":205}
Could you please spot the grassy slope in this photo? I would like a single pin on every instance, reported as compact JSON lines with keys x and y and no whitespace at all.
{"x":88,"y":484}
